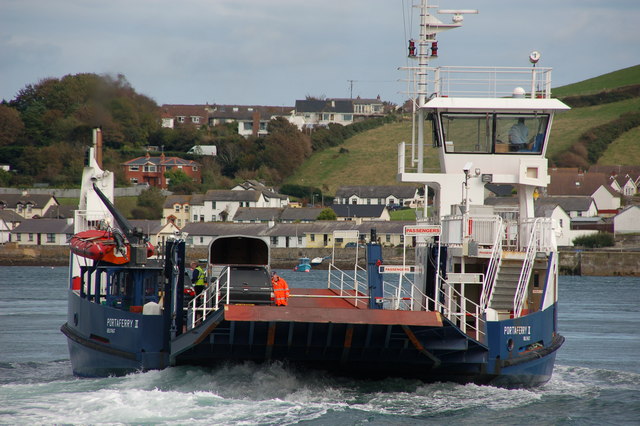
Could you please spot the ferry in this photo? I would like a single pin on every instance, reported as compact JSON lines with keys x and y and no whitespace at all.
{"x":477,"y":305}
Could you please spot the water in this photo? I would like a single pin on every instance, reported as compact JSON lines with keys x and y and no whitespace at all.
{"x":596,"y":380}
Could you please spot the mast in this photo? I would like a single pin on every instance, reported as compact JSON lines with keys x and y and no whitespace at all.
{"x":429,"y":27}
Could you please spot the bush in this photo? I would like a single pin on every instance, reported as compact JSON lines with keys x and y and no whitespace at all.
{"x":601,"y":239}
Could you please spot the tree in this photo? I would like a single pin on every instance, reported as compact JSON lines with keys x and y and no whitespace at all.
{"x":150,"y":203}
{"x":180,"y":182}
{"x":11,"y":125}
{"x":327,"y":214}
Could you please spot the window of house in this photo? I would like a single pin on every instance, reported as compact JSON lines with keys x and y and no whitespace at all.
{"x":235,"y":109}
{"x":274,"y":241}
{"x":402,"y":238}
{"x":29,"y":207}
{"x":195,"y":168}
{"x":18,"y":237}
{"x":195,"y":119}
{"x":560,"y":221}
{"x":30,"y":237}
{"x":134,"y":180}
{"x":388,"y":238}
{"x":201,"y":240}
{"x":179,"y":222}
{"x":250,"y":109}
{"x":134,"y":168}
{"x":180,"y":119}
{"x":347,"y":117}
{"x":247,"y":125}
{"x":177,"y":207}
{"x":186,"y":207}
{"x":299,"y":241}
{"x":19,"y":208}
{"x":263,"y":125}
{"x":195,"y":217}
{"x":313,"y":237}
{"x":201,"y":218}
{"x":51,"y":238}
{"x":213,"y":218}
{"x":326,"y":117}
{"x":151,"y":168}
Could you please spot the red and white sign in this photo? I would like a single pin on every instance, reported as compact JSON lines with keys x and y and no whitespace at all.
{"x":424,"y":230}
{"x":397,"y":269}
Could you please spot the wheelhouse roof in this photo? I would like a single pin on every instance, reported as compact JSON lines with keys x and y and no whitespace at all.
{"x":496,"y":104}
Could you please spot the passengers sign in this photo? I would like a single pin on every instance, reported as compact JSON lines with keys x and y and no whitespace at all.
{"x":423,"y":230}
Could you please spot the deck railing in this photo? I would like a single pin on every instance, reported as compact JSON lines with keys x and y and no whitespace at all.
{"x":492,"y":268}
{"x":211,"y":299}
{"x":537,"y":241}
{"x":352,"y":284}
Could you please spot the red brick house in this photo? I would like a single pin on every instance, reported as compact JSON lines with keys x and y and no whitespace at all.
{"x":150,"y":170}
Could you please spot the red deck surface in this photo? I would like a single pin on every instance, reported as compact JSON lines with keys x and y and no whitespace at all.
{"x":328,"y":310}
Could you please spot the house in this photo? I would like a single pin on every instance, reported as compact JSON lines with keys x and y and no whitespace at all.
{"x":257,"y":214}
{"x":253,"y":120}
{"x":174,"y":116}
{"x":288,"y":235}
{"x":43,"y":232}
{"x":28,"y":205}
{"x":627,"y":221}
{"x":392,"y":195}
{"x":9,"y":220}
{"x":158,"y":233}
{"x":300,"y":214}
{"x":365,"y":108}
{"x":151,"y":170}
{"x":359,"y":212}
{"x":624,"y":179}
{"x":221,"y":204}
{"x":597,"y":185}
{"x":575,"y":205}
{"x":271,"y":197}
{"x":322,"y":112}
{"x":177,"y":208}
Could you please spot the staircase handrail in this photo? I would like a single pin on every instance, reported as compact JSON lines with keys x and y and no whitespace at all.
{"x":211,"y":298}
{"x":527,"y":266}
{"x":462,"y":310}
{"x":346,"y":282}
{"x":492,"y":269}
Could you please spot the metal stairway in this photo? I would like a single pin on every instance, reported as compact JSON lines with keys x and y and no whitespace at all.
{"x":506,"y":285}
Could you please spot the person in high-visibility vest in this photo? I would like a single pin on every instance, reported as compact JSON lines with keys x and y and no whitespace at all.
{"x":198,"y":278}
{"x":280,"y":289}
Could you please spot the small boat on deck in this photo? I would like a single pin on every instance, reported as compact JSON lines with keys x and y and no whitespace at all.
{"x":103,"y":245}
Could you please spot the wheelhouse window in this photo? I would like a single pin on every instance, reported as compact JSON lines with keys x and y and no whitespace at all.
{"x":487,"y":133}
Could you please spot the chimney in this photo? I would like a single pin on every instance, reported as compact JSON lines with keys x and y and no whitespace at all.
{"x":256,"y":122}
{"x":98,"y":139}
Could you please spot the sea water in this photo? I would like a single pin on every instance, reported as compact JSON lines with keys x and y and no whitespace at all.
{"x":596,"y":379}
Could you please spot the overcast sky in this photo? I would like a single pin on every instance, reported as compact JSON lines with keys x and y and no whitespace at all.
{"x":272,"y":52}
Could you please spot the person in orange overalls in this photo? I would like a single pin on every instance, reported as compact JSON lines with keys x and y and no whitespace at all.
{"x":280,"y":289}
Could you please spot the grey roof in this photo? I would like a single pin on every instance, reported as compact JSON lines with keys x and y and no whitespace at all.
{"x":568,"y":203}
{"x":328,"y":105}
{"x":176,"y":199}
{"x":37,"y":200}
{"x":300,"y":214}
{"x":501,"y":201}
{"x":257,"y":214}
{"x":247,"y":112}
{"x":384,"y":226}
{"x":229,"y":195}
{"x":59,"y":212}
{"x":290,"y":229}
{"x":10,"y":216}
{"x":44,"y":226}
{"x":358,"y":210}
{"x":164,"y":161}
{"x":545,"y":210}
{"x":398,"y":191}
{"x":215,"y":229}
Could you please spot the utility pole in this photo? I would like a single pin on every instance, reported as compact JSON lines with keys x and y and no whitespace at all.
{"x":351,"y":88}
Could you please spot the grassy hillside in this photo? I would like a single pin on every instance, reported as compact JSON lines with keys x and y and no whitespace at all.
{"x":371,"y":157}
{"x":371,"y":160}
{"x":623,"y":77}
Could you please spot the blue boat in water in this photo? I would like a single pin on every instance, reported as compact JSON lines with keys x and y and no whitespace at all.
{"x":478,"y":304}
{"x":304,"y":265}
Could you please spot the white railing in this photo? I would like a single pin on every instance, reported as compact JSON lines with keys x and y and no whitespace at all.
{"x":495,"y":82}
{"x":481,"y":229}
{"x":533,"y":246}
{"x":211,"y":298}
{"x":347,"y":283}
{"x":456,"y":309}
{"x":492,"y":268}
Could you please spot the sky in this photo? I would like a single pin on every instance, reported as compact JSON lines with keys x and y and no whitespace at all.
{"x":272,"y":52}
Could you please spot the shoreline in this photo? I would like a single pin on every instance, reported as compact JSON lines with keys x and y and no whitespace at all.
{"x":613,"y":262}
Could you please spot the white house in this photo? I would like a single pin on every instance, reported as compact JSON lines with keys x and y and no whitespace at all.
{"x":627,"y":221}
{"x":392,"y":195}
{"x":9,"y":220}
{"x":574,"y":205}
{"x":322,"y":112}
{"x":43,"y":232}
{"x":271,"y":197}
{"x":607,"y":200}
{"x":221,"y":205}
